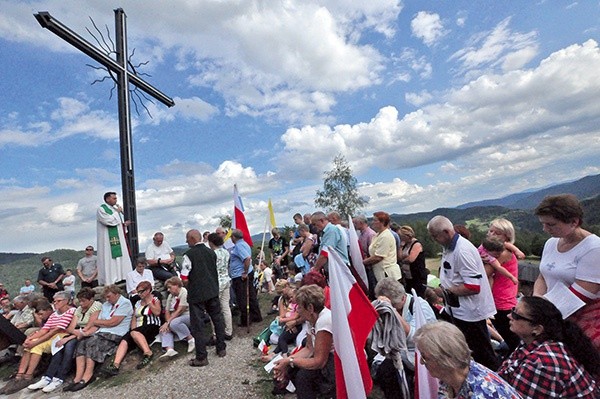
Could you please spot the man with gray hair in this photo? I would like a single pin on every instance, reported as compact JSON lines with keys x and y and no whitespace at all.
{"x":242,"y":276}
{"x":466,"y":290}
{"x":332,"y":237}
{"x":391,"y":290}
{"x":23,"y":316}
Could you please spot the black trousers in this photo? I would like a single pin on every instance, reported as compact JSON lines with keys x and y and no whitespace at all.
{"x":478,"y":339}
{"x":197,"y":312}
{"x":241,"y":288}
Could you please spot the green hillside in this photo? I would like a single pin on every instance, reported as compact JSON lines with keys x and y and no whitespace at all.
{"x":14,"y":273}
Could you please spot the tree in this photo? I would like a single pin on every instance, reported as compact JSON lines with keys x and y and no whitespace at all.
{"x":339,"y":190}
{"x":225,"y":221}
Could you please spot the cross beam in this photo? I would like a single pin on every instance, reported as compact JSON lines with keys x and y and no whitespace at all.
{"x":124,"y":76}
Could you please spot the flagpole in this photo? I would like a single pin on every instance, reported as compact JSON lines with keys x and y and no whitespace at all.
{"x":262,"y":245}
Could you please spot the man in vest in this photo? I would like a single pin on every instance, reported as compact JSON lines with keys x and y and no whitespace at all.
{"x":200,"y":276}
{"x":113,"y":255}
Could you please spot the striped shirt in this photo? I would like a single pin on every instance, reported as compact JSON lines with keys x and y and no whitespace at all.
{"x":143,"y":314}
{"x":57,"y":320}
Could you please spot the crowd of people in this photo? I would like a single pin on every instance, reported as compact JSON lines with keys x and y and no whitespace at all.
{"x":481,"y":337}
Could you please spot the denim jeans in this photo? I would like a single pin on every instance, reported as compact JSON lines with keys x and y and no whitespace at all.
{"x":62,"y":362}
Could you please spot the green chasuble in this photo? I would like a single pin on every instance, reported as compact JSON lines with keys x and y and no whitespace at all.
{"x":113,"y":236}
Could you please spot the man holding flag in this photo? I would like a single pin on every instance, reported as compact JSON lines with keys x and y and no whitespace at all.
{"x":242,"y":274}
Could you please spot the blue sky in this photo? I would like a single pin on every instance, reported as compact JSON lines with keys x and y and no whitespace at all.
{"x":434,"y":103}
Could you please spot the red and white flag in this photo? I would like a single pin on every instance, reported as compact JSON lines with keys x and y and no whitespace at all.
{"x":426,"y":386}
{"x":356,"y":254}
{"x":353,"y":317}
{"x":239,"y":220}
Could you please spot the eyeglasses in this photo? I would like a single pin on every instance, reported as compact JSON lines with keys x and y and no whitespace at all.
{"x":89,"y":249}
{"x":516,"y":316}
{"x":141,"y":291}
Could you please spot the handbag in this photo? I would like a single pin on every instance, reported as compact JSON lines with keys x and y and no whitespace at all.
{"x":275,"y":327}
{"x":263,"y":336}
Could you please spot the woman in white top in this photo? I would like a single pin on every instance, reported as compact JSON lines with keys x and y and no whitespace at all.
{"x":311,"y":368}
{"x":177,"y":319}
{"x":569,"y":266}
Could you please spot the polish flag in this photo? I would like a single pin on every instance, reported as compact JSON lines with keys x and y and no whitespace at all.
{"x":426,"y":386}
{"x":356,"y":254}
{"x":239,"y":220}
{"x":353,"y":317}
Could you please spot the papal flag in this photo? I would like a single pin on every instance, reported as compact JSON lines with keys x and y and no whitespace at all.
{"x":272,"y":215}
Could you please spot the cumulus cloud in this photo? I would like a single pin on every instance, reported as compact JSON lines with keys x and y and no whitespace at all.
{"x":222,"y":46}
{"x":428,"y":27}
{"x":523,"y":116}
{"x":63,"y":214}
{"x":418,"y":99}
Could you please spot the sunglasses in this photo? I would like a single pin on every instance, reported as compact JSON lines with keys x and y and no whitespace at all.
{"x":516,"y":316}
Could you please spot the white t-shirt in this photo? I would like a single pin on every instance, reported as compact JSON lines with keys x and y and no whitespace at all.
{"x":163,"y":252}
{"x":462,"y":265}
{"x":323,"y":323}
{"x":69,"y":279}
{"x":580,"y":262}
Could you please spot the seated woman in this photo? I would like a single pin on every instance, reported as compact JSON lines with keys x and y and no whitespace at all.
{"x":62,"y":361}
{"x":101,"y":336}
{"x":555,"y":359}
{"x":286,"y":326}
{"x":445,"y":353}
{"x":145,"y":326}
{"x":311,"y":368}
{"x":177,"y":319}
{"x":40,"y":342}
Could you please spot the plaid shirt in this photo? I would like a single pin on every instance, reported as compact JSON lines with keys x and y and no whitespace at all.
{"x":547,"y":370}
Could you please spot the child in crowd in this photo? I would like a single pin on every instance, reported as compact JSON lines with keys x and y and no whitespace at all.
{"x":434,"y":300}
{"x":266,"y":277}
{"x":69,"y":283}
{"x":504,"y":230}
{"x":284,"y":328}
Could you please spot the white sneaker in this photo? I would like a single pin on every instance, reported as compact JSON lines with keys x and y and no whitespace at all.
{"x":56,"y":382}
{"x":44,"y":381}
{"x":191,"y":345}
{"x":168,"y":355}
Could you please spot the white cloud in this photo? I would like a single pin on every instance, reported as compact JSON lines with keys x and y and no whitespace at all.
{"x":418,"y":99}
{"x":64,"y":213}
{"x":498,"y":47}
{"x":314,"y":50}
{"x":526,"y":112}
{"x":428,"y":27}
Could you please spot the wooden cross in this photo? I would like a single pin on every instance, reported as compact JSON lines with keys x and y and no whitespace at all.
{"x":124,"y":76}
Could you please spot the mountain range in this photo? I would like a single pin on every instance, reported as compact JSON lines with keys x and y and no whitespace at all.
{"x":584,"y":188}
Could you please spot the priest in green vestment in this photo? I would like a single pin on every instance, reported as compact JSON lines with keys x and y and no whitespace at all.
{"x":114,"y":261}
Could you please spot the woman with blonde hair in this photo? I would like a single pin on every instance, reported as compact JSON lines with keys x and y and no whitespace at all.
{"x":412,"y":259}
{"x":177,"y":319}
{"x":446,"y":355}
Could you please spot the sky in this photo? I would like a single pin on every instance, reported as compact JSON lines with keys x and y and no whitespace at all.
{"x":433,"y":104}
